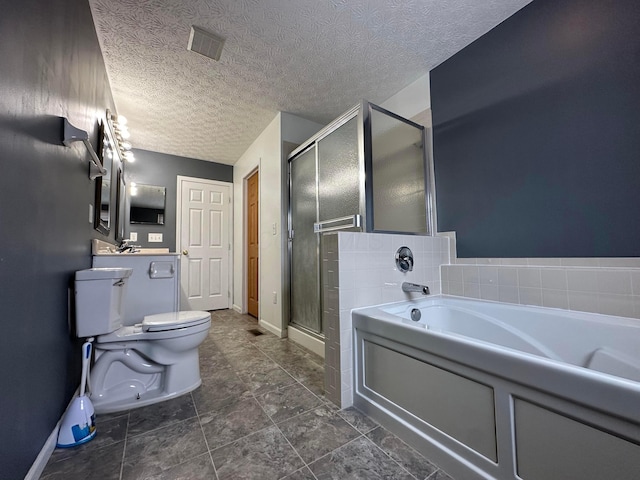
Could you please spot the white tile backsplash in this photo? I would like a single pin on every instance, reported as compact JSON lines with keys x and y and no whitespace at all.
{"x":582,"y":280}
{"x":635,"y":282}
{"x":368,"y":276}
{"x":508,"y":276}
{"x":488,"y":275}
{"x":554,"y":278}
{"x":529,"y":277}
{"x":555,"y":298}
{"x":530,"y":296}
{"x":614,"y":281}
{"x":507,"y":294}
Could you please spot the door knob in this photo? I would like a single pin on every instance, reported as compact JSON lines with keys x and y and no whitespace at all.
{"x":185,"y":252}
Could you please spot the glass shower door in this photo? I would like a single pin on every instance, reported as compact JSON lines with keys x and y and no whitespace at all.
{"x":305,"y":291}
{"x":325,"y":197}
{"x":339,"y":176}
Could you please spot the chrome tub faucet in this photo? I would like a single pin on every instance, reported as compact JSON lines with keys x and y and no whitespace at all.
{"x":414,"y":287}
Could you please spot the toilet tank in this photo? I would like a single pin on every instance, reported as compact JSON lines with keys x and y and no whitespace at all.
{"x":154,"y":285}
{"x":99,"y":298}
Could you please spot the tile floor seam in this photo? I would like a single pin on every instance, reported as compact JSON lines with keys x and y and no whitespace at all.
{"x":124,"y":447}
{"x":391,"y":458}
{"x":298,"y":381}
{"x":162,"y":426}
{"x":329,"y":453}
{"x":437,"y":468}
{"x":303,"y":351}
{"x":294,"y":449}
{"x":240,"y":438}
{"x":206,"y":442}
{"x":353,"y":424}
{"x":433,"y":475}
{"x":274,"y":424}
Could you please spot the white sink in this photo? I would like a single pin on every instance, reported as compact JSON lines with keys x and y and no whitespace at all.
{"x":100,"y":247}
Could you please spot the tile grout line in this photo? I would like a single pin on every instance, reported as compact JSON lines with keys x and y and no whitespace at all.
{"x":288,"y":373}
{"x":393,"y":459}
{"x":124,"y":448}
{"x":206,"y":442}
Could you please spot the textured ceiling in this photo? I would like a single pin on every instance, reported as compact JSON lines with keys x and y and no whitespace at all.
{"x":313,"y":58}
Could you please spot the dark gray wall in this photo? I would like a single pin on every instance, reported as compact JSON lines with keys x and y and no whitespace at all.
{"x":153,"y":168}
{"x":537,"y":134}
{"x":51,"y":66}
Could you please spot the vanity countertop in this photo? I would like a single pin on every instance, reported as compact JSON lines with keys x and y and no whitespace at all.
{"x":150,"y":252}
{"x":100,"y":247}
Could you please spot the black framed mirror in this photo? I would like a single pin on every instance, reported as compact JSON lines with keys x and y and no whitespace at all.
{"x":121,"y":204}
{"x":146,"y":204}
{"x":102,"y":205}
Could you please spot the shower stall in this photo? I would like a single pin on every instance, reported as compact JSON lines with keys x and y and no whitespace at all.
{"x":365,"y":171}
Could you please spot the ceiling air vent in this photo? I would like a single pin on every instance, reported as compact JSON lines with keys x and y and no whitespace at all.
{"x":205,"y":43}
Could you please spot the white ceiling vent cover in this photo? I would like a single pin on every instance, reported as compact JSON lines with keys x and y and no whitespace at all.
{"x":205,"y":43}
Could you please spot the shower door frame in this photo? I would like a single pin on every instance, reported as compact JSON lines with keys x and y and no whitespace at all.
{"x":429,"y":191}
{"x":363,"y":113}
{"x":354,"y":112}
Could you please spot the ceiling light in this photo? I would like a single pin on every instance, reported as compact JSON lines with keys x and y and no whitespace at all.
{"x":118,"y":124}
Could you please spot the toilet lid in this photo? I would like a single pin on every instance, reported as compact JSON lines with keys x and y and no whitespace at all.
{"x":162,"y":322}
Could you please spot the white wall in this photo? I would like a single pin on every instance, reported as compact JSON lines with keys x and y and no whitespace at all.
{"x":412,"y":100}
{"x":265,"y":153}
{"x":296,"y":129}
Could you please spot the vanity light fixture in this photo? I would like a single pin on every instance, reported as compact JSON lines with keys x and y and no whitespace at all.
{"x":121,"y":133}
{"x":72,"y":134}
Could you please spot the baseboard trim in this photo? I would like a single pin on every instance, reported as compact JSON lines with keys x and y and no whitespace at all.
{"x":273,"y":329}
{"x":41,"y":460}
{"x":49,"y":446}
{"x":306,"y":340}
{"x":237,"y":308}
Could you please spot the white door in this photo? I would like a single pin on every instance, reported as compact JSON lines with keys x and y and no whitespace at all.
{"x":204,"y":241}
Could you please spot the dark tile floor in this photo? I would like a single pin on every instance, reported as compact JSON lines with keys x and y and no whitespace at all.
{"x":259,"y":414}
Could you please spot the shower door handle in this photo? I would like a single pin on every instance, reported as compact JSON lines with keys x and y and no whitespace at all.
{"x":342,"y":223}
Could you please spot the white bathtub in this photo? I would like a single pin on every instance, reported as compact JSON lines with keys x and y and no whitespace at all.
{"x":491,"y":390}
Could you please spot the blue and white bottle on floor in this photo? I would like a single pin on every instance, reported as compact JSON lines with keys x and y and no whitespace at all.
{"x":79,"y":422}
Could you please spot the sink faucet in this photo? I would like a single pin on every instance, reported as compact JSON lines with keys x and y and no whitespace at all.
{"x":126,"y":246}
{"x":414,"y":287}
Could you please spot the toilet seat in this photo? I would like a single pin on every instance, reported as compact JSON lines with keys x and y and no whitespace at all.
{"x":160,"y":326}
{"x":162,"y":322}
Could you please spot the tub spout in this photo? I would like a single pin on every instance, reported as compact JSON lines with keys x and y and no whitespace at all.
{"x":414,"y":287}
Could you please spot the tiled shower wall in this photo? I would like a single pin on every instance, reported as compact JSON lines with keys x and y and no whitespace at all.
{"x":359,"y":270}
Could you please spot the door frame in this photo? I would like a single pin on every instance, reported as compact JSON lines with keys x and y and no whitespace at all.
{"x":228,"y":224}
{"x":245,"y":242}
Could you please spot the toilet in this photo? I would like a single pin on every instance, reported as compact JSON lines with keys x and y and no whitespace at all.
{"x":140,"y":364}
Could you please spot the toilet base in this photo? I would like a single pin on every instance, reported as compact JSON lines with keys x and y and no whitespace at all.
{"x":146,"y":399}
{"x":124,"y":379}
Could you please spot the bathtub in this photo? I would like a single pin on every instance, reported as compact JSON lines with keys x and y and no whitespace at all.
{"x":492,"y":390}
